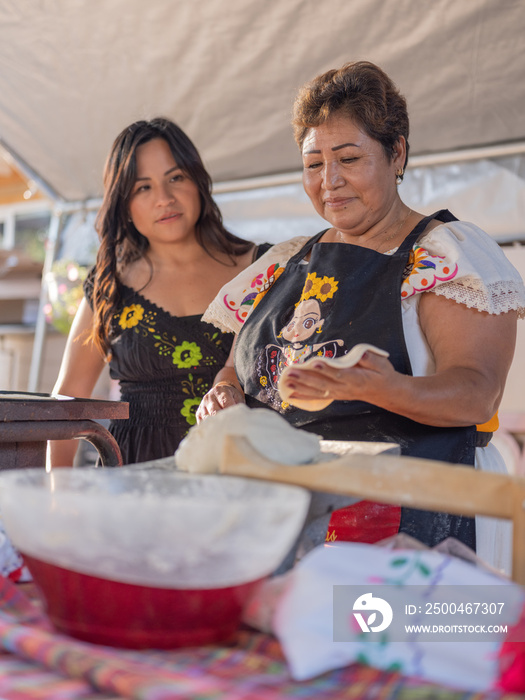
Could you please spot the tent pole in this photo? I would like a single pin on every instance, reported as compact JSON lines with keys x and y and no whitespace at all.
{"x":415,"y":161}
{"x":53,"y":238}
{"x":10,"y":156}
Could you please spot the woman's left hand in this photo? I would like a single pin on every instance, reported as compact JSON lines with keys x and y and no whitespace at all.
{"x":322,"y":381}
{"x":222,"y":395}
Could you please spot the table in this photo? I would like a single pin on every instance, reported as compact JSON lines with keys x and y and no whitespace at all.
{"x":29,"y":420}
{"x":37,"y":663}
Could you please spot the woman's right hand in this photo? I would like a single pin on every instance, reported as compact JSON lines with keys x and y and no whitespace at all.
{"x":222,"y":395}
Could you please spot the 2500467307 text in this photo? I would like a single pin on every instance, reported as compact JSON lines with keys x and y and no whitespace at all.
{"x":455,"y":609}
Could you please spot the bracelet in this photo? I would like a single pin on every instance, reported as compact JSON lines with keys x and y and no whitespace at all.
{"x":225,"y":383}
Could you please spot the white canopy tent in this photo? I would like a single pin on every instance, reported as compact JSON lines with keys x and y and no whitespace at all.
{"x":73,"y":73}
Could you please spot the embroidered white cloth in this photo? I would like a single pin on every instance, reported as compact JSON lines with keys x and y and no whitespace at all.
{"x":456,"y":260}
{"x":310,"y":622}
{"x":485,"y":279}
{"x":235,"y":301}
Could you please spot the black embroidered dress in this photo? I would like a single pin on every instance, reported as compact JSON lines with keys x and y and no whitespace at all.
{"x":164,"y":364}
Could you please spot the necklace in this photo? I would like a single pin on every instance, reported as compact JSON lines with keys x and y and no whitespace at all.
{"x":388,"y":238}
{"x":396,"y":232}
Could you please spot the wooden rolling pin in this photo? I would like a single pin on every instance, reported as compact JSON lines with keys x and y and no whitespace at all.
{"x":407,"y":481}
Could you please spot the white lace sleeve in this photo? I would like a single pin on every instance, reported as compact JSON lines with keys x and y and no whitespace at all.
{"x":237,"y":299}
{"x":478,"y":274}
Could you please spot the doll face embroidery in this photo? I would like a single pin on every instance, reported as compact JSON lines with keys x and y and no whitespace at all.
{"x":299,"y":338}
{"x":306,"y":321}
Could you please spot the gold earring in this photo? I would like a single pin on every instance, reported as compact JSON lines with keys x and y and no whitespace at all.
{"x":399,"y":176}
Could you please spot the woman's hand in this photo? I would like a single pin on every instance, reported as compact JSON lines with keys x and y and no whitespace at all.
{"x":222,"y":395}
{"x":321,"y":381}
{"x":225,"y":392}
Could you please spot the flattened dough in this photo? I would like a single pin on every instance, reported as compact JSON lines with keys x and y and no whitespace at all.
{"x":268,"y":432}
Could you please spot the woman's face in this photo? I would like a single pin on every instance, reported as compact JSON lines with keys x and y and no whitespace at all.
{"x":347,"y":175}
{"x":164,"y":204}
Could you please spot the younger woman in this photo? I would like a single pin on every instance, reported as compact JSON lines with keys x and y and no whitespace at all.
{"x":164,"y":254}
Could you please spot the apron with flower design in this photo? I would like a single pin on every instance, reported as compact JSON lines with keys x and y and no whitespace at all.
{"x":343,"y":295}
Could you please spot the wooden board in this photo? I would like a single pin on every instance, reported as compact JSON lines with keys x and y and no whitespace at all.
{"x":407,"y":481}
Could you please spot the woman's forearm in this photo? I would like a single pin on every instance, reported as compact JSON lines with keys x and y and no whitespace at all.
{"x":227,"y":375}
{"x":456,"y":397}
{"x":61,"y":453}
{"x":472,"y":353}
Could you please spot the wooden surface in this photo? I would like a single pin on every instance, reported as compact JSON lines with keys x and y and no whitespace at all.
{"x":29,"y":420}
{"x":407,"y":481}
{"x":43,"y":407}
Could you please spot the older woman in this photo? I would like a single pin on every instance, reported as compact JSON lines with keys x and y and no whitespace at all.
{"x":437,"y":294}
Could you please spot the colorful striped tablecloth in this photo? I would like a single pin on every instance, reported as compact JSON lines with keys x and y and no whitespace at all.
{"x":36,"y":662}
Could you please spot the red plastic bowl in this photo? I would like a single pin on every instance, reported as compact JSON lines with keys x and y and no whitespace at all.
{"x":148,"y":557}
{"x":120,"y":614}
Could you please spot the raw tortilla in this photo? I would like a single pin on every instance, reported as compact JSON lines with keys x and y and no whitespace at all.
{"x":349,"y":360}
{"x":268,"y":432}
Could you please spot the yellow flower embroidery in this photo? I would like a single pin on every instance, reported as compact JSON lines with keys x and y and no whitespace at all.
{"x":311,"y":286}
{"x":263,"y":381}
{"x":131,"y":315}
{"x":326,"y":288}
{"x":321,"y":288}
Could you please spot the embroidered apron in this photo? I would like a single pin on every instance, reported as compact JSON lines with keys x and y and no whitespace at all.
{"x":344,"y":295}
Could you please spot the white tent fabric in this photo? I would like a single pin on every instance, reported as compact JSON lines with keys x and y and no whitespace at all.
{"x":73,"y":73}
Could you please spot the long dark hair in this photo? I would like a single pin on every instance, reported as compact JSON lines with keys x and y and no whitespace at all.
{"x":120,"y":242}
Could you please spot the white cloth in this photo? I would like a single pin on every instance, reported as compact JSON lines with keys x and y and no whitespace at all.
{"x":493,"y":535}
{"x":485,"y":280}
{"x":231,"y":307}
{"x":303,"y":616}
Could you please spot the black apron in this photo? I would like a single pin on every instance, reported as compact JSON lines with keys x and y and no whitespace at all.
{"x":347,"y":294}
